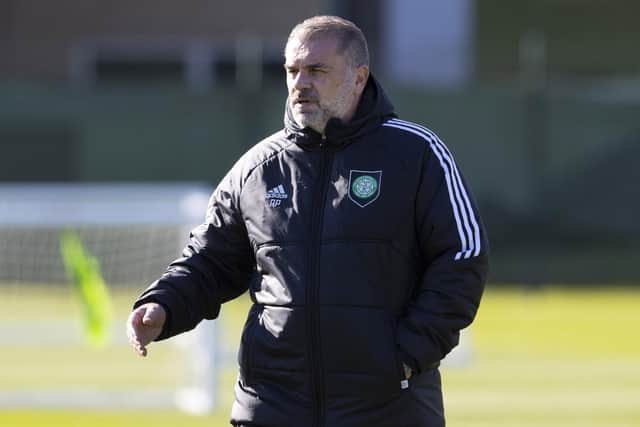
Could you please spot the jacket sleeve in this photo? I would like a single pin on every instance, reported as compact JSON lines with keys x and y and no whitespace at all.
{"x":454,"y":256}
{"x":215,"y":266}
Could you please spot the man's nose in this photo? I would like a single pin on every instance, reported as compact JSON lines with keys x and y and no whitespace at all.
{"x":301,"y":81}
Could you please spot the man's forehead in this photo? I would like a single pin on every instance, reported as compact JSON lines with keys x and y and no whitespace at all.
{"x":315,"y":49}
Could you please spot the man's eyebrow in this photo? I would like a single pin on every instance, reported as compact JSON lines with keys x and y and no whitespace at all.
{"x":317,"y":65}
{"x":308,"y":66}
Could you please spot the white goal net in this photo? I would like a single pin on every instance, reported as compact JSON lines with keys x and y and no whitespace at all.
{"x":134,"y":231}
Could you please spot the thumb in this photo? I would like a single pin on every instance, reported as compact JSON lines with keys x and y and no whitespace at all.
{"x":149,"y":318}
{"x":154,"y":316}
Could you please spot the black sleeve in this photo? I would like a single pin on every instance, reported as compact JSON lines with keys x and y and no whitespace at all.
{"x":454,"y":254}
{"x":215,"y":266}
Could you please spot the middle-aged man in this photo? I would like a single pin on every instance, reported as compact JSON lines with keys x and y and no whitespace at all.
{"x":358,"y":240}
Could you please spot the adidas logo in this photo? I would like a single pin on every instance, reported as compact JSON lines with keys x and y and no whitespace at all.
{"x":275,"y":195}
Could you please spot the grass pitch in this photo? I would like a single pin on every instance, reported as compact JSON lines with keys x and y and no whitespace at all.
{"x":552,"y":357}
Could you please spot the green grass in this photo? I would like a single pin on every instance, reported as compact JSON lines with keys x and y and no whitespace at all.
{"x":41,"y":418}
{"x":553,"y":357}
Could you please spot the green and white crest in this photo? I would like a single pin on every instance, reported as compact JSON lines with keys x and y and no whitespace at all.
{"x":364,"y":186}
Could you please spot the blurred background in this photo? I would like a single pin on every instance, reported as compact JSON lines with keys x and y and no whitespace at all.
{"x":117,"y":119}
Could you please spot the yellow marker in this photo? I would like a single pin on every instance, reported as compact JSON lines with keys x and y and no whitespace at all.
{"x":84,"y":272}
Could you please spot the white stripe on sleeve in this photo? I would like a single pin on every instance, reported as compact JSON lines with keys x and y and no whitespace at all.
{"x":465,"y":218}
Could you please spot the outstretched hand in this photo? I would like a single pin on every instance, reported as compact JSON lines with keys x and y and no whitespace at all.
{"x":145,"y":325}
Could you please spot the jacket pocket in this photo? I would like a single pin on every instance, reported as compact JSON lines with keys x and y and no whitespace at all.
{"x":272,"y":343}
{"x":403,"y":381}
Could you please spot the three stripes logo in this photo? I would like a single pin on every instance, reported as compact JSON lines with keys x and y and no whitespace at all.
{"x":276,"y":195}
{"x":461,"y":206}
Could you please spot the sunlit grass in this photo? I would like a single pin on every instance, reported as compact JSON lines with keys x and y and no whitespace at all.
{"x":79,"y":418}
{"x":553,"y":357}
{"x":559,"y":323}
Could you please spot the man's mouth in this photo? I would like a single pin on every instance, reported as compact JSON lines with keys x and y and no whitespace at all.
{"x":304,"y":99}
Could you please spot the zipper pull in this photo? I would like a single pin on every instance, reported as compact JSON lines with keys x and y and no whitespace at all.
{"x":324,"y":141}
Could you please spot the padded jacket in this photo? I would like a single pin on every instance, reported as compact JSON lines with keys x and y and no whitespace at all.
{"x":362,"y":251}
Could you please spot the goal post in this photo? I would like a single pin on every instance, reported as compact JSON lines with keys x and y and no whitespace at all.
{"x":134,"y":230}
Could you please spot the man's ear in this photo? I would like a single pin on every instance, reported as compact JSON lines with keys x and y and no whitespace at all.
{"x":362,"y":75}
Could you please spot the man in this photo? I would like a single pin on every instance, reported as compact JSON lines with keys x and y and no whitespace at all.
{"x":358,"y":241}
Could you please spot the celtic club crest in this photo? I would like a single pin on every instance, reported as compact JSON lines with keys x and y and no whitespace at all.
{"x":364,"y":186}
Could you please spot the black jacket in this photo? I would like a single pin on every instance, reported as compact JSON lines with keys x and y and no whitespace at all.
{"x":361,"y":251}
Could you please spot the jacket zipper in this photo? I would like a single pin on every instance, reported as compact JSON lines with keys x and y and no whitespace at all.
{"x":313,"y":312}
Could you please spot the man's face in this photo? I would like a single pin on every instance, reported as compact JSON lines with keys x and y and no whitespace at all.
{"x":321,"y":83}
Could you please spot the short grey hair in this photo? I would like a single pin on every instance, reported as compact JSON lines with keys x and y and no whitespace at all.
{"x":350,"y":38}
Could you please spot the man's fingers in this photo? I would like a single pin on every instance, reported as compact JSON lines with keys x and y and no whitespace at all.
{"x":135,"y":323}
{"x":137,"y":346}
{"x":141,"y":350}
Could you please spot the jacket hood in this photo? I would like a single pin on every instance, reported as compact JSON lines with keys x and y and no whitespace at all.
{"x":373,"y":109}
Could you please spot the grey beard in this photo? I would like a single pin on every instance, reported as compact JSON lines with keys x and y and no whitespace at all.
{"x":304,"y":122}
